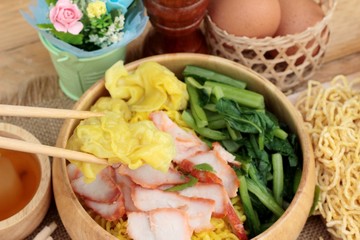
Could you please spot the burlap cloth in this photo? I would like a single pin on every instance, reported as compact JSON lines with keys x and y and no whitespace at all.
{"x":46,"y":130}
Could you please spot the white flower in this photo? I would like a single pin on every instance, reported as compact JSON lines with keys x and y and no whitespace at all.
{"x":113,"y":34}
{"x":93,"y":38}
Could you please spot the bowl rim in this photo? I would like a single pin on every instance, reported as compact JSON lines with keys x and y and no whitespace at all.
{"x":304,"y":195}
{"x":42,"y":191}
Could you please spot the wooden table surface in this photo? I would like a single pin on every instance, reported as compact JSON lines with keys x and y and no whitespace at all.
{"x":23,"y":59}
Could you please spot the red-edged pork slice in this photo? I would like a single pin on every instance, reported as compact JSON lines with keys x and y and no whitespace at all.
{"x":224,"y":154}
{"x":73,"y":171}
{"x":235,"y":222}
{"x":126,"y":186}
{"x":159,"y":224}
{"x":221,"y":168}
{"x":148,"y":177}
{"x":102,"y":189}
{"x":203,"y":176}
{"x":186,"y":143}
{"x":199,"y":210}
{"x":215,"y":192}
{"x":109,"y":211}
{"x":139,"y":226}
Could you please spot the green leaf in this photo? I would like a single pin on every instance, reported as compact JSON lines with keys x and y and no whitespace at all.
{"x":284,"y":147}
{"x":204,"y":167}
{"x":51,"y":2}
{"x":46,"y":26}
{"x":69,"y":38}
{"x":115,"y":13}
{"x":192,"y":181}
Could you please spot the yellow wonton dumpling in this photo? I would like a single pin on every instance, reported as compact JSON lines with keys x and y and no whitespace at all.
{"x":108,"y":104}
{"x":149,"y":88}
{"x":113,"y":138}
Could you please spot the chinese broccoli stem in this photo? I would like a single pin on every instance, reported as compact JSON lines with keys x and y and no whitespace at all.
{"x":265,"y":197}
{"x":251,"y":215}
{"x":216,"y":121}
{"x":278,"y":177}
{"x":210,"y":107}
{"x":316,"y":200}
{"x":217,"y":124}
{"x":297,"y":179}
{"x":205,"y":132}
{"x":234,"y":134}
{"x":205,"y":74}
{"x":195,"y":106}
{"x":278,"y":132}
{"x":243,"y":97}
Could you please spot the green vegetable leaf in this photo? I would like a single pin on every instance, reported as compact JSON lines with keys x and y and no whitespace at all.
{"x":284,"y":147}
{"x":205,"y":74}
{"x":204,"y":167}
{"x":203,"y":131}
{"x":203,"y":92}
{"x":192,"y":181}
{"x":244,"y":119}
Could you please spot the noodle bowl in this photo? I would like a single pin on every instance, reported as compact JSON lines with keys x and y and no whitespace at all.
{"x":75,"y":217}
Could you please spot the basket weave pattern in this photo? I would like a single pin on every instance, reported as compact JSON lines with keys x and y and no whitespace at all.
{"x":287,"y":61}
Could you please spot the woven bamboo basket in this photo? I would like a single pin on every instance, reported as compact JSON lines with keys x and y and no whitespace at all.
{"x":270,"y":56}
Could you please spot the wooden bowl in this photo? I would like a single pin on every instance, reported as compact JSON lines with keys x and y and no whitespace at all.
{"x":81,"y":226}
{"x":24,"y":222}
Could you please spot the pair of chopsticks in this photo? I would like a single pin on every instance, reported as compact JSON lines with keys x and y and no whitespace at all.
{"x":23,"y":146}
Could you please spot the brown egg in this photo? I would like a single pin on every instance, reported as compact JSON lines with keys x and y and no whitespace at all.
{"x":251,"y":18}
{"x":298,"y":15}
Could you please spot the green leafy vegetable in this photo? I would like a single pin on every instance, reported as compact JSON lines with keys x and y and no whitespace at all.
{"x":265,"y":197}
{"x":196,"y":107}
{"x":205,"y":132}
{"x":251,"y":215}
{"x":268,"y":152}
{"x":205,"y":74}
{"x":204,"y":167}
{"x":242,"y":96}
{"x":278,"y":177}
{"x":192,"y":181}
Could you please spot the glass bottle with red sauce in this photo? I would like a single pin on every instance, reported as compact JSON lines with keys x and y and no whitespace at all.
{"x":176,"y":26}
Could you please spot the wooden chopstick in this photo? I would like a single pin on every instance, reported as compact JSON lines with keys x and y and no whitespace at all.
{"x":23,"y":146}
{"x":27,"y":111}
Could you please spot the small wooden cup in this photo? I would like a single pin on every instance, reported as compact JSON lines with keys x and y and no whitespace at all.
{"x":24,"y":222}
{"x":80,"y":225}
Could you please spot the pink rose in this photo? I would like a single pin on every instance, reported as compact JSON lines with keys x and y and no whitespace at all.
{"x":65,"y":16}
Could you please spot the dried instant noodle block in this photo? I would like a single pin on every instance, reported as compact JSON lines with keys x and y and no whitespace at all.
{"x":287,"y":61}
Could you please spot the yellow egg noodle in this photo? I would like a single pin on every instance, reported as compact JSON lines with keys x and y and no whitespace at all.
{"x":221,"y":231}
{"x":332,"y":118}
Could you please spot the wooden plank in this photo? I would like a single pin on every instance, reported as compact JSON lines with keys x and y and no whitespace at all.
{"x":349,"y":66}
{"x":16,"y":32}
{"x":345,"y":30}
